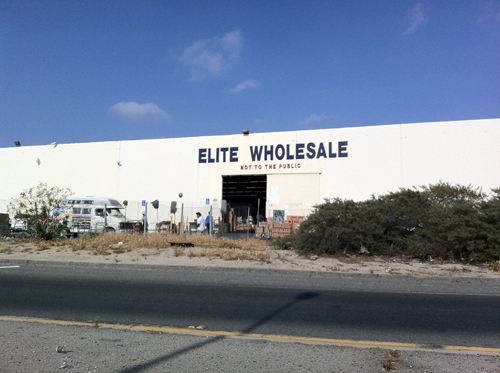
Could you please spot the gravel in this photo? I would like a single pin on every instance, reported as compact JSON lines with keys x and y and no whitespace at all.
{"x":32,"y":347}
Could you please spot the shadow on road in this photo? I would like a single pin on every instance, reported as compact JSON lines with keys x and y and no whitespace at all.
{"x":137,"y":368}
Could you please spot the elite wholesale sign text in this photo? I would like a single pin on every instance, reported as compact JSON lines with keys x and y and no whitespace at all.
{"x":279,"y":152}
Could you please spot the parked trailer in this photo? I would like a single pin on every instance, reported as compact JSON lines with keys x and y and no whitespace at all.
{"x":90,"y":214}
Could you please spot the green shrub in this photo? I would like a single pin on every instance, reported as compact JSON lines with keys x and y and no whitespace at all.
{"x":463,"y":223}
{"x":441,"y":220}
{"x":281,"y":243}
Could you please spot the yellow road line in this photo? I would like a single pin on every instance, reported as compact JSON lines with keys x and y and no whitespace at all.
{"x":193,"y":330}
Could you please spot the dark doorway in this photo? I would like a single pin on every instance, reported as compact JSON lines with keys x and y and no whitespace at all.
{"x":243,"y":192}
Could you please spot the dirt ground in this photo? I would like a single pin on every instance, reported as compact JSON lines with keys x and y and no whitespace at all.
{"x":16,"y":249}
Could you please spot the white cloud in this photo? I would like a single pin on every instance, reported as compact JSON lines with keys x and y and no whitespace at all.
{"x":314,"y":118}
{"x":417,"y":19}
{"x":212,"y":57}
{"x":245,"y":85}
{"x":135,"y":112}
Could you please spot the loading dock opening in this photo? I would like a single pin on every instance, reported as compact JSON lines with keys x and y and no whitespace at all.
{"x":244,"y":192}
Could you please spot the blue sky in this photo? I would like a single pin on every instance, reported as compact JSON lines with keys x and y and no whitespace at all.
{"x":83,"y":71}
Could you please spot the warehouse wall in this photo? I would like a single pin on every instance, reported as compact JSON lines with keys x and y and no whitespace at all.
{"x":368,"y":160}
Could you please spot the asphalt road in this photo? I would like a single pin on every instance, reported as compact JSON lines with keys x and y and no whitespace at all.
{"x":434,"y":311}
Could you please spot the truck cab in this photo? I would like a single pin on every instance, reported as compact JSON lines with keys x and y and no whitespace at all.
{"x":91,"y":214}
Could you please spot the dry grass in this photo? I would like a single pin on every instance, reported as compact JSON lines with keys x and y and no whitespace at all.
{"x":179,"y":251}
{"x":392,"y":354}
{"x":44,"y":245}
{"x":204,"y":246}
{"x":155,"y":241}
{"x":495,"y":266}
{"x":392,"y":362}
{"x":6,"y":250}
{"x":246,"y":253}
{"x":456,"y":269}
{"x":389,"y":365}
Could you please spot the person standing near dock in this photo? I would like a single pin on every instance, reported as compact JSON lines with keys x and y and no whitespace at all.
{"x":200,"y":222}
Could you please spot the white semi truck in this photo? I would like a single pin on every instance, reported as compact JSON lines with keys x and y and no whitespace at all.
{"x":90,"y":214}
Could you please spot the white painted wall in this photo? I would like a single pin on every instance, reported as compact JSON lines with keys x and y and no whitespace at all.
{"x":465,"y":152}
{"x":296,"y":194}
{"x":380,"y":159}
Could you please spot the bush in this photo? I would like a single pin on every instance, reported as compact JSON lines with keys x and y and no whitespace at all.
{"x":403,"y":217}
{"x":37,"y":204}
{"x":281,"y":243}
{"x":463,"y":223}
{"x":441,"y":220}
{"x":339,"y":225}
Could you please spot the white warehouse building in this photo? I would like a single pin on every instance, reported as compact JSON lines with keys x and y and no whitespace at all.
{"x":276,"y":171}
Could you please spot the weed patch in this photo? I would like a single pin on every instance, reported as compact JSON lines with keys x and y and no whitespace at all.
{"x":495,"y":266}
{"x":390,"y":365}
{"x":95,"y":322}
{"x":6,"y":250}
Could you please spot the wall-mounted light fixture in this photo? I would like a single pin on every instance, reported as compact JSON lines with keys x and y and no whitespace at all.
{"x":118,"y":163}
{"x":38,"y":161}
{"x":17,"y":143}
{"x":245,"y":132}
